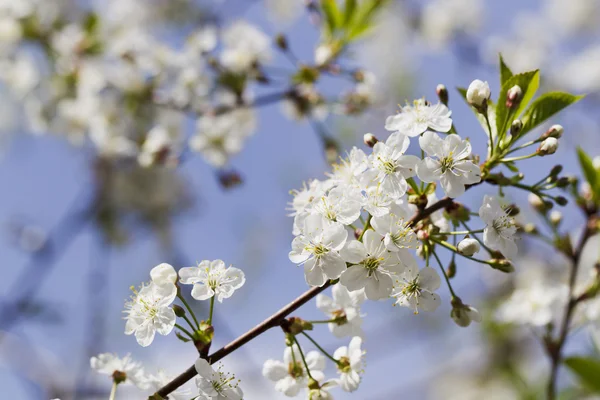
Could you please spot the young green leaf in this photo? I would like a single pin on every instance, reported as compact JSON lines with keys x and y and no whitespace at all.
{"x":363,"y":21}
{"x":529,"y":83}
{"x":349,"y":11}
{"x":546,"y":106}
{"x":587,"y":370}
{"x":592,"y":176}
{"x":505,"y":72}
{"x":333,"y":15}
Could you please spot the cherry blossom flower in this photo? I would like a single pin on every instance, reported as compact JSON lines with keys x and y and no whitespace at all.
{"x":212,"y":278}
{"x":160,"y":379}
{"x":341,"y":204}
{"x":244,"y":46}
{"x":132,"y":371}
{"x":416,"y":119}
{"x":463,"y":314}
{"x":350,"y":364}
{"x":416,"y":289}
{"x":349,"y":170}
{"x":535,"y":305}
{"x":500,"y":230}
{"x":390,"y":167}
{"x":450,"y":165}
{"x":373,"y":266}
{"x":215,"y":385}
{"x":397,"y":234}
{"x":149,"y":312}
{"x":344,"y":308}
{"x":317,"y":248}
{"x":290,"y":375}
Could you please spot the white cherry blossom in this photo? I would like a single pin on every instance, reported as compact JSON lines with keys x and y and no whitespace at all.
{"x":390,"y":167}
{"x":397,"y":234}
{"x":290,"y":375}
{"x":416,"y":289}
{"x":350,"y":365}
{"x":344,"y":307}
{"x":373,"y":266}
{"x":341,"y":204}
{"x":447,"y":163}
{"x":160,"y":379}
{"x":149,"y":312}
{"x":500,"y":230}
{"x":212,"y":278}
{"x":317,"y":248}
{"x":416,"y":119}
{"x":215,"y":385}
{"x":108,"y":364}
{"x":163,"y":274}
{"x":536,"y":305}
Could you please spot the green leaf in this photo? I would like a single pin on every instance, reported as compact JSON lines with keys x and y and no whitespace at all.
{"x":363,"y":20}
{"x":349,"y":10}
{"x":590,"y":173}
{"x":505,"y":72}
{"x":587,"y":370}
{"x":529,"y":83}
{"x":546,"y":106}
{"x":333,"y":15}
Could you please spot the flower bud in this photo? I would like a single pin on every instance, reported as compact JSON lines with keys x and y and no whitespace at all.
{"x":451,"y":270}
{"x":561,"y":201}
{"x":557,"y":169}
{"x":370,"y":139}
{"x":555,"y":131}
{"x":359,"y":75}
{"x":563,"y":182}
{"x":422,"y":235}
{"x":556,"y":217}
{"x":515,"y":127}
{"x":502,"y":265}
{"x":463,"y":314}
{"x":536,"y":202}
{"x":513,"y":210}
{"x":530,"y":229}
{"x":179,"y":311}
{"x":442,"y":94}
{"x":281,"y":41}
{"x":229,"y":179}
{"x":478,"y":94}
{"x":548,"y":146}
{"x":513,"y":97}
{"x":468,"y":247}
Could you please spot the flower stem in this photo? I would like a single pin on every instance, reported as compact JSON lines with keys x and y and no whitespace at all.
{"x":487,"y":120}
{"x":210,"y":312}
{"x":113,"y":391}
{"x":414,"y":185}
{"x":365,"y":227}
{"x":320,"y":348}
{"x":187,"y":306}
{"x":467,"y":232}
{"x":444,"y":273}
{"x":302,"y":356}
{"x":182,"y":329}
{"x":510,"y":159}
{"x":324,"y":321}
{"x":190,"y":323}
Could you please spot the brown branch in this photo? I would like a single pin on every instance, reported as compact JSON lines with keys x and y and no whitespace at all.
{"x":276,"y":319}
{"x":554,"y":347}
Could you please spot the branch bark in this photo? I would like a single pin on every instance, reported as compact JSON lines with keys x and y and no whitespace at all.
{"x":276,"y":319}
{"x":555,"y":347}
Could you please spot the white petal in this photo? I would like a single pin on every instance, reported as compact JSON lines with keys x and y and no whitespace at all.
{"x":354,"y":278}
{"x":429,"y":279}
{"x":202,"y":292}
{"x":274,"y":370}
{"x":354,"y":252}
{"x":429,"y":170}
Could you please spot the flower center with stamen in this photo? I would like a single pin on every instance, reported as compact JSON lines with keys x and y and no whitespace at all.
{"x":388,"y":167}
{"x":344,"y":365}
{"x":295,"y":370}
{"x":340,"y":317}
{"x":318,"y":250}
{"x":447,"y":163}
{"x":371,"y":264}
